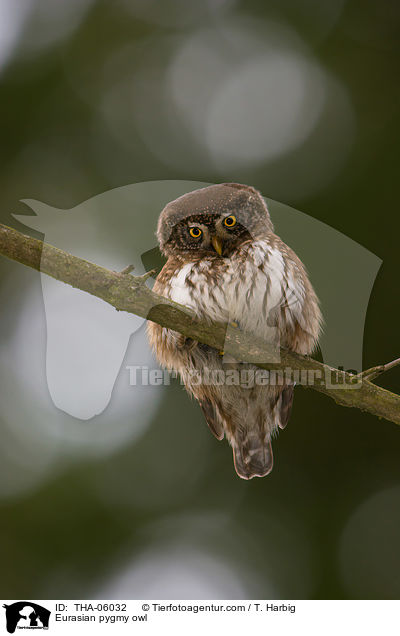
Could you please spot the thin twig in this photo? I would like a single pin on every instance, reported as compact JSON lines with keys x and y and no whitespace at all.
{"x":144,"y":277}
{"x":127,"y":270}
{"x":373,"y":372}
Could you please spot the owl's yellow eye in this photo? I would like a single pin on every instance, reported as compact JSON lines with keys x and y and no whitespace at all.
{"x":196,"y":232}
{"x":230,"y":221}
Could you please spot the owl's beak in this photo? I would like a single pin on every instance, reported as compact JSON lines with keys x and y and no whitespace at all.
{"x":217,"y":245}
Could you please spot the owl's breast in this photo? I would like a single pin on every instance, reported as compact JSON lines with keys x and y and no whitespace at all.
{"x":243,"y":288}
{"x":256,"y":287}
{"x":201,"y":286}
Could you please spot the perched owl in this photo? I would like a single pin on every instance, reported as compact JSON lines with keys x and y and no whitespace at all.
{"x":227,"y":265}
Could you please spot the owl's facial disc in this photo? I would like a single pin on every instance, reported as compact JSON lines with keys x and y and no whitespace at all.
{"x":205,"y":235}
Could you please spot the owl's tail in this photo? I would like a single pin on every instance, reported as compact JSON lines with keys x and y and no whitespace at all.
{"x":252,"y":456}
{"x":251,"y":439}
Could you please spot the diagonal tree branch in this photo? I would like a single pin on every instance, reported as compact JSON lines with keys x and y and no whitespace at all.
{"x":130,"y":293}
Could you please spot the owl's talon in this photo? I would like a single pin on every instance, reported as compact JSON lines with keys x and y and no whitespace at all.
{"x":221,"y":353}
{"x":186,"y":343}
{"x":192,"y":345}
{"x":235,"y":324}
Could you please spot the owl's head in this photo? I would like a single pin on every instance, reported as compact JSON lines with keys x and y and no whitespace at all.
{"x":213,"y":221}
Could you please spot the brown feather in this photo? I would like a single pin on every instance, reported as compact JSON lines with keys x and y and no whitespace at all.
{"x":286,"y":403}
{"x":212,"y":418}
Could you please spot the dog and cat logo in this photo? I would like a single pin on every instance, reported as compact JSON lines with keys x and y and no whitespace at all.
{"x":26,"y":615}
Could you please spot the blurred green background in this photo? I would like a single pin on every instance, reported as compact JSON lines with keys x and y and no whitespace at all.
{"x":299,"y":99}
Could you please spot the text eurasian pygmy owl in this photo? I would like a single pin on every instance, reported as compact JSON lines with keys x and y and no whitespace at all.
{"x":226,"y":264}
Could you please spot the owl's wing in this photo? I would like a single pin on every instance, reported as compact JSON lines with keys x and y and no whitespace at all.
{"x":212,"y":418}
{"x":294,"y":305}
{"x":285,"y":405}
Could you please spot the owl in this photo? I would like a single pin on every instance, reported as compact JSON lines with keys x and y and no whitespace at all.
{"x":225,"y":262}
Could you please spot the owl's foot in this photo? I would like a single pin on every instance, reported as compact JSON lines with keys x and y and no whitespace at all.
{"x":186,"y":343}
